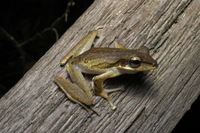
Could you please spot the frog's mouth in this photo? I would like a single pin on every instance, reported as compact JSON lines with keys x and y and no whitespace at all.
{"x":146,"y":67}
{"x":143,"y":67}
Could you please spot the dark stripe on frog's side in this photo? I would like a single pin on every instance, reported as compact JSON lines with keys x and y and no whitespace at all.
{"x":102,"y":58}
{"x":97,"y":56}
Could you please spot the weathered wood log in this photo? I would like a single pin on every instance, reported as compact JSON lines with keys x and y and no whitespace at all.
{"x":152,"y":102}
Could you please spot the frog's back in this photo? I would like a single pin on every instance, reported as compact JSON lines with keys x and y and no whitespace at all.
{"x":106,"y":54}
{"x":103,"y":55}
{"x":99,"y":60}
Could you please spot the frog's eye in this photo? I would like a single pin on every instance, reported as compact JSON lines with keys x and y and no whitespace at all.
{"x":134,"y":62}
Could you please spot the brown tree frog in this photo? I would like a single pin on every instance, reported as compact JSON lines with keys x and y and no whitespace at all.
{"x":106,"y":62}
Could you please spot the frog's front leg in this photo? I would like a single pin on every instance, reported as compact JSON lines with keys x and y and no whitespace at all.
{"x":98,"y":82}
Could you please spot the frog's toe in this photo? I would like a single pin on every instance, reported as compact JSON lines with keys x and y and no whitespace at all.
{"x":104,"y":93}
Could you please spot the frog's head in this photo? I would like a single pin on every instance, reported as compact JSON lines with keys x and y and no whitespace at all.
{"x":139,"y":60}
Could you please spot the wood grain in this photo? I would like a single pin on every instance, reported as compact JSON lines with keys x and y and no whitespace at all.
{"x":152,"y":102}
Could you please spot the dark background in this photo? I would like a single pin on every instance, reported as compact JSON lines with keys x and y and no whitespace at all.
{"x":29,"y":28}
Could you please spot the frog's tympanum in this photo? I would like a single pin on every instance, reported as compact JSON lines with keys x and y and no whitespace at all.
{"x":105,"y":62}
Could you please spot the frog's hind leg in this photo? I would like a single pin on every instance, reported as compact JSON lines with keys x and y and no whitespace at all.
{"x":72,"y":91}
{"x":98,"y":82}
{"x":77,"y":77}
{"x":83,"y":45}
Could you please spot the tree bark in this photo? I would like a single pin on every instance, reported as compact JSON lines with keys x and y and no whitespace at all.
{"x":151,"y":102}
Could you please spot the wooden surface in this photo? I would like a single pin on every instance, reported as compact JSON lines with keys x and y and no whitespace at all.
{"x":152,"y":102}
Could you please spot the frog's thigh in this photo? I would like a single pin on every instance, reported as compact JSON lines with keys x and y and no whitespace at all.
{"x":83,"y":45}
{"x":86,"y":43}
{"x":72,"y":91}
{"x":98,"y":81}
{"x":77,"y":77}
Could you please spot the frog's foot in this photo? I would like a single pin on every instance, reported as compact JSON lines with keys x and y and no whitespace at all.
{"x":104,"y":93}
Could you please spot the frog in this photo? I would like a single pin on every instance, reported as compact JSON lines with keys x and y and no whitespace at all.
{"x":105,"y":63}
